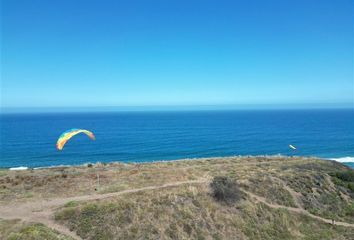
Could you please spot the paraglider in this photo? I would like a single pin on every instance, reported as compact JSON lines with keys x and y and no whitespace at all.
{"x":69,"y":134}
{"x":292,"y":147}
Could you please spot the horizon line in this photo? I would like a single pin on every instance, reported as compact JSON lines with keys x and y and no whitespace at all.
{"x":201,"y":107}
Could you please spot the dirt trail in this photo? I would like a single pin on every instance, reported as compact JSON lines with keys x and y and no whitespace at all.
{"x":42,"y":211}
{"x":295,"y":195}
{"x":297,"y":210}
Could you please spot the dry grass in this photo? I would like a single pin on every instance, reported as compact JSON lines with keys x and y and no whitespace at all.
{"x":318,"y":193}
{"x":191,"y":212}
{"x":17,"y":230}
{"x":73,"y":181}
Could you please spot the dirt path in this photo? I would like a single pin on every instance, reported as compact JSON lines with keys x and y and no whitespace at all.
{"x":42,"y":211}
{"x":295,"y":195}
{"x":297,"y":210}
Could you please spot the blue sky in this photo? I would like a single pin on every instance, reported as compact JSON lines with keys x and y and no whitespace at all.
{"x":73,"y":53}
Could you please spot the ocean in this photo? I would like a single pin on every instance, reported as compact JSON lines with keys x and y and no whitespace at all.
{"x":29,"y":139}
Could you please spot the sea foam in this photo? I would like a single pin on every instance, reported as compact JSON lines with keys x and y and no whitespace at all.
{"x":343,"y":159}
{"x":18,"y":168}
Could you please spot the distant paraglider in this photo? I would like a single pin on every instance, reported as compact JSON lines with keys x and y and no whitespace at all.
{"x":292,"y":147}
{"x":69,"y":134}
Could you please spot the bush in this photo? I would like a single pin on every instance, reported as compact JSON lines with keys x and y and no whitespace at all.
{"x":36,"y":231}
{"x":347,"y":176}
{"x":65,"y":214}
{"x":349,"y":210}
{"x":226,"y":190}
{"x":71,"y":204}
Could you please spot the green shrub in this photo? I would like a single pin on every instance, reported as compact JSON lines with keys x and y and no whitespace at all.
{"x":71,"y":204}
{"x":349,"y":210}
{"x":351,"y":186}
{"x":65,"y":214}
{"x":37,"y":231}
{"x":347,"y":176}
{"x":226,"y":190}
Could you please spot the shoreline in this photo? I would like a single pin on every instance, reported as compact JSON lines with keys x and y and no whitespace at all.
{"x":344,"y":160}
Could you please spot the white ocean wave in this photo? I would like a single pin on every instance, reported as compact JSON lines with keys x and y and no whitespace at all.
{"x":55,"y":166}
{"x":344,"y":159}
{"x":18,"y":168}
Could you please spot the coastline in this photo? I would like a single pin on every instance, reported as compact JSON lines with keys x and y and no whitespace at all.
{"x":348,"y":161}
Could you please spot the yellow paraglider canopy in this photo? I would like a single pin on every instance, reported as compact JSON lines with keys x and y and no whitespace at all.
{"x":69,"y":134}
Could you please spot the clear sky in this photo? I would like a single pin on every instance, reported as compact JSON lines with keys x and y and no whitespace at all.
{"x":67,"y":53}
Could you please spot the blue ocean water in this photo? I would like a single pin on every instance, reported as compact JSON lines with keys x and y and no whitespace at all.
{"x":29,"y":139}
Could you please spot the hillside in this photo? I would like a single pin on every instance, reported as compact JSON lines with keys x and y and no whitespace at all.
{"x":216,"y":198}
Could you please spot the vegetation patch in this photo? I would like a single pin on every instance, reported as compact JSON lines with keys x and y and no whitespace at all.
{"x":347,"y":176}
{"x":270,"y":188}
{"x":344,"y":179}
{"x":322,"y":194}
{"x":226,"y":190}
{"x":71,"y":204}
{"x":16,"y":230}
{"x":190,"y":211}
